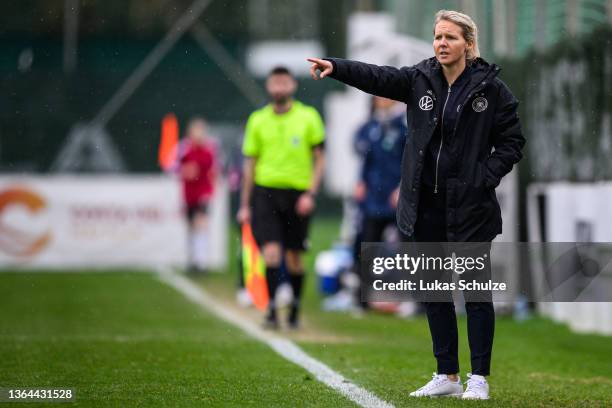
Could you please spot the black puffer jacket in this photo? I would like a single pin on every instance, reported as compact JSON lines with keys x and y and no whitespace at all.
{"x":487,"y":140}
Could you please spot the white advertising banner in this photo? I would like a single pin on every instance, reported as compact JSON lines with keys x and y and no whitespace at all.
{"x":97,"y":221}
{"x":571,"y":212}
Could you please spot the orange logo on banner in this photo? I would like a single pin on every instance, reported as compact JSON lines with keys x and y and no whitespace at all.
{"x":12,"y":240}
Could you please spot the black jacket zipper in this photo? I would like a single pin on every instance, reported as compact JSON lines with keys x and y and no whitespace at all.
{"x":441,"y":138}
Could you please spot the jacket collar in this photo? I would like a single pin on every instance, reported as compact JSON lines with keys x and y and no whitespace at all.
{"x":482,"y":72}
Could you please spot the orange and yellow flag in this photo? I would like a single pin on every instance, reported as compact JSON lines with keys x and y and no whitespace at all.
{"x":254,"y":269}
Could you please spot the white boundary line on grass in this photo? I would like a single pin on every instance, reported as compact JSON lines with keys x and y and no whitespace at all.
{"x":282,"y":346}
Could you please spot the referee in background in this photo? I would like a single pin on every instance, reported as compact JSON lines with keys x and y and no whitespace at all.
{"x":283,"y":166}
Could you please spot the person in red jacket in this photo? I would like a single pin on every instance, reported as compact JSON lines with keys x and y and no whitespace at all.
{"x":197,"y":171}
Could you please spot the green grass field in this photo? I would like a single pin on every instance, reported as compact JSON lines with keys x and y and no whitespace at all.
{"x":126,"y":339}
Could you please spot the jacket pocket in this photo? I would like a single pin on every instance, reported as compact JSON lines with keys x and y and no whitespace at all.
{"x":480,"y":176}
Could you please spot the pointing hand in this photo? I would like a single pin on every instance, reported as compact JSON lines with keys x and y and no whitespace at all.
{"x":324,"y":66}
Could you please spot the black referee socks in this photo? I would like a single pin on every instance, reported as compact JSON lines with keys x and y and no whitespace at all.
{"x":272,"y":277}
{"x":296,"y":284}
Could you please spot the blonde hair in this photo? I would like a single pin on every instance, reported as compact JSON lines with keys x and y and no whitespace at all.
{"x":470,"y":31}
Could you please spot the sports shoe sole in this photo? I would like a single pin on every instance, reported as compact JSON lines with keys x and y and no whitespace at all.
{"x":475,"y":399}
{"x":456,"y":395}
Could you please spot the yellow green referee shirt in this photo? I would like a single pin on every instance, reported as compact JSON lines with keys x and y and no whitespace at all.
{"x":282,"y":145}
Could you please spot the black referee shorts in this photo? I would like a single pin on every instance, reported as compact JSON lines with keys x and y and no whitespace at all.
{"x":274,"y":218}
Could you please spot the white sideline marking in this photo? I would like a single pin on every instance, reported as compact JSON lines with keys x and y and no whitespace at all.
{"x":282,"y":346}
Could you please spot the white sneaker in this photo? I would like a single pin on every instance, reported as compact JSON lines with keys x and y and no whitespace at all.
{"x":477,"y":388}
{"x":440,"y":386}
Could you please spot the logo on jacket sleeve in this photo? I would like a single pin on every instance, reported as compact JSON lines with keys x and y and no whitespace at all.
{"x":426,"y":103}
{"x":480,"y":104}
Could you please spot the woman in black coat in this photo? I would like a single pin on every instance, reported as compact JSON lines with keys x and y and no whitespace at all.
{"x":465,"y":136}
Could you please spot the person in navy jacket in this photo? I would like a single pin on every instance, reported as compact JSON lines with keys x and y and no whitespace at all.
{"x":465,"y":136}
{"x":380,"y":142}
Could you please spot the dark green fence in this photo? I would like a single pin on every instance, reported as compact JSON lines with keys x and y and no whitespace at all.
{"x":39,"y":104}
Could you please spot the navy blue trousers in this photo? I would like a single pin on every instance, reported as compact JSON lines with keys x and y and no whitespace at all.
{"x":431,"y":227}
